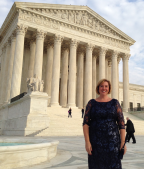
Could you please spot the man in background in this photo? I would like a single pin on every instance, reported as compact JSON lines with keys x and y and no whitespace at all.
{"x":130,"y":131}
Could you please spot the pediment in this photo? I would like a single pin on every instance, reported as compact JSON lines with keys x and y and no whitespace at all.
{"x":79,"y":16}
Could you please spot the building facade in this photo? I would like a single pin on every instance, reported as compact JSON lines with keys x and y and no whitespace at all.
{"x":70,"y":47}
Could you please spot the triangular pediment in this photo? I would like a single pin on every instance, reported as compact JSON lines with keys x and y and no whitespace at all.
{"x":81,"y":16}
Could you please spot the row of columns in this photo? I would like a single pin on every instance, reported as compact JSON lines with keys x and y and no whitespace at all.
{"x":86,"y":74}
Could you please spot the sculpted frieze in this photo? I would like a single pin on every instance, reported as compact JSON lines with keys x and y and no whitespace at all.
{"x":51,"y":23}
{"x":82,"y":18}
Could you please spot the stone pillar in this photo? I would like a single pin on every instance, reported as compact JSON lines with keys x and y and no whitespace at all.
{"x":80,"y":77}
{"x":2,"y":73}
{"x":18,"y":61}
{"x":109,"y":73}
{"x":25,"y":66}
{"x":114,"y":75}
{"x":88,"y":74}
{"x":125,"y":59}
{"x":102,"y":63}
{"x":10,"y":67}
{"x":64,"y":77}
{"x":94,"y":77}
{"x":72,"y":74}
{"x":106,"y":68}
{"x":56,"y":71}
{"x":39,"y":54}
{"x":118,"y":61}
{"x":49,"y":68}
{"x":31,"y":58}
{"x":5,"y":71}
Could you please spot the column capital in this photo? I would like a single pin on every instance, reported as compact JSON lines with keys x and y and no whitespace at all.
{"x":109,"y":63}
{"x":21,"y":29}
{"x":95,"y":56}
{"x":126,"y":56}
{"x":64,"y":48}
{"x":8,"y":43}
{"x":74,"y":43}
{"x":32,"y":41}
{"x":40,"y":34}
{"x":13,"y":36}
{"x":115,"y":54}
{"x":119,"y":59}
{"x":81,"y":50}
{"x":50,"y":42}
{"x":58,"y":38}
{"x":90,"y":46}
{"x":103,"y":50}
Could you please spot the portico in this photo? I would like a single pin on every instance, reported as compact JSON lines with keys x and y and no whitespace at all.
{"x":69,"y":47}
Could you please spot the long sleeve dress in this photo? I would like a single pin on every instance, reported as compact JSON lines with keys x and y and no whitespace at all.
{"x":104,"y":119}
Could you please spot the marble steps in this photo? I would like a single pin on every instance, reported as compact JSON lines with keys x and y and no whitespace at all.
{"x":61,"y":125}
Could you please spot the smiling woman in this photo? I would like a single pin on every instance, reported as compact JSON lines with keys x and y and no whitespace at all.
{"x":102,"y":139}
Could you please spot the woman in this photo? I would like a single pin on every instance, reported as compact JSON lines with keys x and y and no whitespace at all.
{"x":103,"y":140}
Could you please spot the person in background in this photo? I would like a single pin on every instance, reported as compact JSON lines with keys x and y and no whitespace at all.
{"x":130,"y":131}
{"x":82,"y":112}
{"x":70,"y":112}
{"x":104,"y":129}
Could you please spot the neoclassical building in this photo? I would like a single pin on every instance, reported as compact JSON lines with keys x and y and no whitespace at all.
{"x":69,"y":47}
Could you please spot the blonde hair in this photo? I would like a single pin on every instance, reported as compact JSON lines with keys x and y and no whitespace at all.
{"x":100,"y":82}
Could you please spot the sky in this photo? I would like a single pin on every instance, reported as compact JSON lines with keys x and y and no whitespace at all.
{"x":127,"y":15}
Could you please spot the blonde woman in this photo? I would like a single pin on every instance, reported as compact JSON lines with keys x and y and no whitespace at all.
{"x":104,"y":129}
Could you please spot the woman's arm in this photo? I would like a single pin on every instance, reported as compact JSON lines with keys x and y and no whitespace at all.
{"x":87,"y":140}
{"x":122,"y":135}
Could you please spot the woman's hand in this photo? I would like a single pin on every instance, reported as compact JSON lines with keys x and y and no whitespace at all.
{"x":88,"y":148}
{"x":125,"y":148}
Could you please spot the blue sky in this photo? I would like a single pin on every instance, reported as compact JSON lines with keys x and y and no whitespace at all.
{"x":127,"y":15}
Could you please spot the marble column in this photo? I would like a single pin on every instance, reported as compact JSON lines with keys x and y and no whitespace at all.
{"x":5,"y":71}
{"x":106,"y":68}
{"x":88,"y":74}
{"x":109,"y":73}
{"x":64,"y":77}
{"x":114,"y":75}
{"x":72,"y":74}
{"x":94,"y":76}
{"x":118,"y":61}
{"x":39,"y":54}
{"x":18,"y":61}
{"x":2,"y":72}
{"x":80,"y":77}
{"x":10,"y":67}
{"x":49,"y":68}
{"x":102,"y":63}
{"x":31,"y":58}
{"x":56,"y":71}
{"x":125,"y":59}
{"x":25,"y":66}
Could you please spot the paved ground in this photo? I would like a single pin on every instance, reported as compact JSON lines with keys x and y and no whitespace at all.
{"x":72,"y":155}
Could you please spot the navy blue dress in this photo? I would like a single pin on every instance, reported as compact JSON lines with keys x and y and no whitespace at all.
{"x":104,"y":120}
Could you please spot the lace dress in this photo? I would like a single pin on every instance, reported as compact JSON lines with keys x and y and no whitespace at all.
{"x":104,"y":120}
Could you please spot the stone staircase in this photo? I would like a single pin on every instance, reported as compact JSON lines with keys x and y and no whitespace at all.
{"x":61,"y":125}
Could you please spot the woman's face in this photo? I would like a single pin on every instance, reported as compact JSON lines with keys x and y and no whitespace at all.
{"x":104,"y":88}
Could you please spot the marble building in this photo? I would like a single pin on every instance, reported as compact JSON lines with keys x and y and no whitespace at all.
{"x":69,"y":47}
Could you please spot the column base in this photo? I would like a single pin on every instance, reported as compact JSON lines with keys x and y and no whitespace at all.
{"x":54,"y":105}
{"x":71,"y":106}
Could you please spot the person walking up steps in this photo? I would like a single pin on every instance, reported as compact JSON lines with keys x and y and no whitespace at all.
{"x":70,"y":113}
{"x":82,"y":112}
